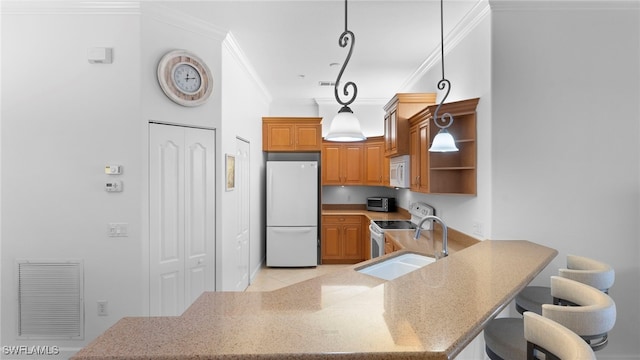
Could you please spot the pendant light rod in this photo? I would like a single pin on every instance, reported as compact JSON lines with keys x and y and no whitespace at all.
{"x":443,"y":141}
{"x":343,"y":41}
{"x":444,"y":83}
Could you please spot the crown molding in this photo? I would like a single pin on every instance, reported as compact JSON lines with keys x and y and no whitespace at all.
{"x":70,"y":7}
{"x":479,"y":11}
{"x":550,"y":5}
{"x":231,"y":44}
{"x":173,"y":17}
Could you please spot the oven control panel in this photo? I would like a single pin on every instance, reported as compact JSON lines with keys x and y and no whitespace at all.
{"x":418,"y":210}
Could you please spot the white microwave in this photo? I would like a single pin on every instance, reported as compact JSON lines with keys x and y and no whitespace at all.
{"x":399,"y":168}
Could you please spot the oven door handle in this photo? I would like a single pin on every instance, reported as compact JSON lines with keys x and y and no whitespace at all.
{"x":374,"y":230}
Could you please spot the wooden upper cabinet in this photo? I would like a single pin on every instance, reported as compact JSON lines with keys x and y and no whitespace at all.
{"x":291,"y":134}
{"x":342,"y":163}
{"x":352,"y":164}
{"x":414,"y":156}
{"x":355,"y":163}
{"x":374,"y":169}
{"x":396,"y":120}
{"x":451,"y":172}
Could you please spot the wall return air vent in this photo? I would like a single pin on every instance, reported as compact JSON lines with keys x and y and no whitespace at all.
{"x":50,"y":299}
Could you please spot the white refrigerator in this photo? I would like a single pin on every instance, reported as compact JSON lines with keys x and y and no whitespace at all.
{"x":292,"y":213}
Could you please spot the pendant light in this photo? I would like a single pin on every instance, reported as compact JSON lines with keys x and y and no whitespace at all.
{"x":345,"y":125}
{"x":443,"y":141}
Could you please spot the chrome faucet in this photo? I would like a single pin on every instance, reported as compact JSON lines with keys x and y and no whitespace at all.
{"x":445,"y":247}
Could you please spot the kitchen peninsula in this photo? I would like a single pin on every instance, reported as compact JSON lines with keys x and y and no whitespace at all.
{"x":430,"y":313}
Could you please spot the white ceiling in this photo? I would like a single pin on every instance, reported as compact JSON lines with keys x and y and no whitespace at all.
{"x":290,"y":44}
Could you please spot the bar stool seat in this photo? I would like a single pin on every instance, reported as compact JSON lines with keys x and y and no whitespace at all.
{"x":531,"y":298}
{"x":504,"y":339}
{"x":585,"y":270}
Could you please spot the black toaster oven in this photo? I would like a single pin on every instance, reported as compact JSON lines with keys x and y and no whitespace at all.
{"x":384,"y":204}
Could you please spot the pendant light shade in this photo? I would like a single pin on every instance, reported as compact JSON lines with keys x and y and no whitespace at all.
{"x":443,"y":142}
{"x":345,"y":127}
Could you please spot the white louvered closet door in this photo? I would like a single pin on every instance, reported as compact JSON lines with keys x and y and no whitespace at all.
{"x":181,"y":217}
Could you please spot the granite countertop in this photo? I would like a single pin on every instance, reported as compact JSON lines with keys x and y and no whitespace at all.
{"x":431,"y":313}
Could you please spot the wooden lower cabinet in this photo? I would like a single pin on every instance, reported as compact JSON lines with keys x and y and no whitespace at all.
{"x":342,"y":239}
{"x":389,"y":245}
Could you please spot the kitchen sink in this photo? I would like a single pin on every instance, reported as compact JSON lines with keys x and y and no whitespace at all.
{"x":397,"y":266}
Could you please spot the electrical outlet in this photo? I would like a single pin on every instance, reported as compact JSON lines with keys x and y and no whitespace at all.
{"x":478,"y":228}
{"x":103,"y":309}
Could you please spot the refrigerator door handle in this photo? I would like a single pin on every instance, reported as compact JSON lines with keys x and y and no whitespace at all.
{"x":270,"y":194}
{"x":294,"y":229}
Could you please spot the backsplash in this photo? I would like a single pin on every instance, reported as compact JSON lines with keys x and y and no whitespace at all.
{"x":354,"y":194}
{"x":359,"y":195}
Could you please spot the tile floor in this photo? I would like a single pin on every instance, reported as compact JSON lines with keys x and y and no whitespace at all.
{"x":269,"y":279}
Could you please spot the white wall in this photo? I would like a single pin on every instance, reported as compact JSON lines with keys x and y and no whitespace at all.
{"x":59,"y":133}
{"x":566,"y":141}
{"x":62,"y":122}
{"x":244,"y":103}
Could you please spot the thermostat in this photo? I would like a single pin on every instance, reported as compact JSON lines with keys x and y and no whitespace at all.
{"x":113,"y":169}
{"x":113,"y":186}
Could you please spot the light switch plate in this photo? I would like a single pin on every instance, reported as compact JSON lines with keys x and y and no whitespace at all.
{"x":118,"y":229}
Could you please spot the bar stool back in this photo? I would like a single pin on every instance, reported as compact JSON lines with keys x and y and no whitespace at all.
{"x":592,"y":318}
{"x":585,"y":270}
{"x":554,"y":340}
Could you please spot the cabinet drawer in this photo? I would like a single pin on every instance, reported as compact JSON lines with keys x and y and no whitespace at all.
{"x":341,"y":219}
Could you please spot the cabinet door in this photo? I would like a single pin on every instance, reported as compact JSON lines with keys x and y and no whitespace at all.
{"x":352,"y":242}
{"x":331,"y":174}
{"x":387,"y":135}
{"x":393,"y":132}
{"x":386,"y":175}
{"x":423,"y":180}
{"x":373,"y":155}
{"x":331,"y":244}
{"x":352,"y":161}
{"x":280,"y":137}
{"x":414,"y":153}
{"x":308,"y":137}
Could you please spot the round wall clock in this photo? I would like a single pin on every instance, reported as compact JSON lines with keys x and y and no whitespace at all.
{"x":185,"y":78}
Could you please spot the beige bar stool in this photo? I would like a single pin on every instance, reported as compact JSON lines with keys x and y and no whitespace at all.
{"x":592,"y":317}
{"x":587,"y":271}
{"x":554,"y":340}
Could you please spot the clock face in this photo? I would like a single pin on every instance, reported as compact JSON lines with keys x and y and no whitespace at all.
{"x":185,"y":78}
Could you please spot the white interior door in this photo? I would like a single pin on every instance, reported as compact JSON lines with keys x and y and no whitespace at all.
{"x":181,"y":217}
{"x":199,"y":212}
{"x":243,"y":217}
